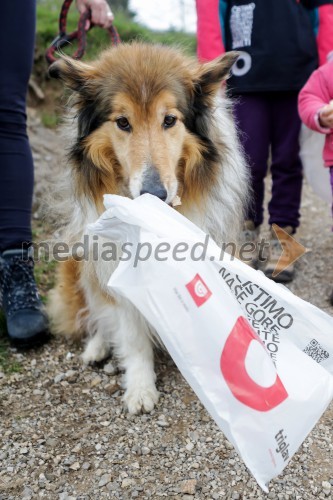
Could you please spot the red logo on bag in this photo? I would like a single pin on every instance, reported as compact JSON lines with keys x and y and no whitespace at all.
{"x":232,"y":364}
{"x":199,"y":291}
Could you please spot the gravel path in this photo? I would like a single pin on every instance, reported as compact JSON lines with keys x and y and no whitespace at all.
{"x":64,"y":434}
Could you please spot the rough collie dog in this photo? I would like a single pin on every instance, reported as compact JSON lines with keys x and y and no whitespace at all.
{"x":147,"y":120}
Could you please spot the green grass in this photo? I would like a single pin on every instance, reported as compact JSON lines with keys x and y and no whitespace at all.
{"x":45,"y":277}
{"x":8,"y":365}
{"x":50,"y":120}
{"x":97,"y":39}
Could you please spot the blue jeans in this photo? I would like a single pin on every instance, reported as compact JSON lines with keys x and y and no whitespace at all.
{"x":17,"y":37}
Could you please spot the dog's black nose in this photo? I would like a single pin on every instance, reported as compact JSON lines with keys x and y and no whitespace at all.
{"x":160,"y":192}
{"x":152,"y":184}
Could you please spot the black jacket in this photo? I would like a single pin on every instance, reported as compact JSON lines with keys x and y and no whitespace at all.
{"x":277,"y":42}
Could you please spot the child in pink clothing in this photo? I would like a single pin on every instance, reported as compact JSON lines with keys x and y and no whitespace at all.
{"x":315,"y":106}
{"x":316,"y":109}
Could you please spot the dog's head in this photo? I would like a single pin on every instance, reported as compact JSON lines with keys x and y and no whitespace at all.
{"x":143,"y":115}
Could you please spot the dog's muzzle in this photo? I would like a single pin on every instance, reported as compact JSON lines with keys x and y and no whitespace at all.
{"x":152,"y":184}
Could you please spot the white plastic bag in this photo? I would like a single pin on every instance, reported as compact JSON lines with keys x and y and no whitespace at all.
{"x":311,"y":153}
{"x":265,"y":405}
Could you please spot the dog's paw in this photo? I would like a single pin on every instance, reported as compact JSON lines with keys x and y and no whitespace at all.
{"x":139,"y":399}
{"x":95,"y":351}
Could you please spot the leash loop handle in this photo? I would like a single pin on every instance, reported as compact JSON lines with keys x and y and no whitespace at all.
{"x":63,"y":17}
{"x":63,"y":38}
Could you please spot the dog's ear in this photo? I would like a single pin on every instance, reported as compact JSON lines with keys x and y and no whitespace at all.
{"x":76,"y":75}
{"x":83,"y":79}
{"x":213,"y":73}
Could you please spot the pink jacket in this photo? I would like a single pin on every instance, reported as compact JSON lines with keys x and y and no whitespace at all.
{"x":325,"y":32}
{"x":316,"y":93}
{"x":209,"y":35}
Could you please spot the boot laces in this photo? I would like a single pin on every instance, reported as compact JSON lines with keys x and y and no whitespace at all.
{"x":18,"y":286}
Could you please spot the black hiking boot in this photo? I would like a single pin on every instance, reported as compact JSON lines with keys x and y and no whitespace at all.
{"x":27,"y":324}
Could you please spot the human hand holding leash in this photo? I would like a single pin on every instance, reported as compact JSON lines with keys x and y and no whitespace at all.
{"x":101,"y":14}
{"x":92,"y":13}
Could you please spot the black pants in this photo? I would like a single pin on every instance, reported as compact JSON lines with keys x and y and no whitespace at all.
{"x":17,"y":36}
{"x":271,"y":120}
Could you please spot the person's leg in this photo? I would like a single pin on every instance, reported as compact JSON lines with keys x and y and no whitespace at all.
{"x":286,"y":164}
{"x":286,"y":184}
{"x":17,"y":36}
{"x":253,"y":122}
{"x":26,"y":321}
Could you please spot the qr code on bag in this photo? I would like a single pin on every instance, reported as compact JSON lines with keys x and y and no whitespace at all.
{"x":316,"y":351}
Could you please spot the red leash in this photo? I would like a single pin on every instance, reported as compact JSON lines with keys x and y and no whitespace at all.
{"x":80,"y":34}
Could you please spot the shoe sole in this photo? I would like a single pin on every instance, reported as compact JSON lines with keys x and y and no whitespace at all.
{"x":283,"y":277}
{"x":31,"y":342}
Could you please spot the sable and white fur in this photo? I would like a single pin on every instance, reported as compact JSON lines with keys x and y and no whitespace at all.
{"x":180,"y":141}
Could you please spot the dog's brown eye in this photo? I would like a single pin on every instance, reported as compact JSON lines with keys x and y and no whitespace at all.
{"x":123,"y":124}
{"x":169,"y":121}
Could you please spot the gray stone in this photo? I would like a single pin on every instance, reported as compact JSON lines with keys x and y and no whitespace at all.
{"x":58,"y":378}
{"x":110,"y":369}
{"x":105,"y":479}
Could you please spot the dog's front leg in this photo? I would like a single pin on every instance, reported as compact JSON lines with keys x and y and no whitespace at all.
{"x":134,"y":349}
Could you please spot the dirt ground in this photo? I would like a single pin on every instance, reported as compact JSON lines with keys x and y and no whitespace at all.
{"x":65,"y":435}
